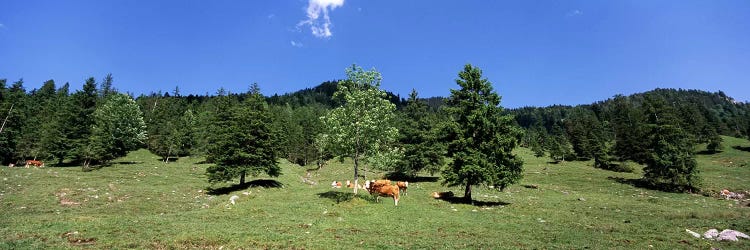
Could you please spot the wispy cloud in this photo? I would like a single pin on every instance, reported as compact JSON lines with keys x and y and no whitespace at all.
{"x":271,"y":16}
{"x":2,"y":25}
{"x":573,"y":13}
{"x":296,"y":44}
{"x":317,"y":16}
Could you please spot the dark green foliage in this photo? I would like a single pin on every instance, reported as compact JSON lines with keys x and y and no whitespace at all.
{"x":171,"y":126}
{"x":10,"y":123}
{"x":585,"y":131}
{"x":298,"y":128}
{"x":558,"y":145}
{"x":422,"y":150}
{"x":670,"y":162}
{"x":242,"y":140}
{"x":481,"y":139}
{"x":81,"y":120}
{"x":714,"y":140}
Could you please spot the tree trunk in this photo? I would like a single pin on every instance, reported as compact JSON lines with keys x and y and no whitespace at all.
{"x":467,"y":194}
{"x":356,"y":172}
{"x":242,"y":178}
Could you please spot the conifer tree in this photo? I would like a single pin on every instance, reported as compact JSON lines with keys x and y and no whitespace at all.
{"x":80,"y":122}
{"x":481,"y":138}
{"x":422,"y":150}
{"x":670,"y":161}
{"x":242,"y":141}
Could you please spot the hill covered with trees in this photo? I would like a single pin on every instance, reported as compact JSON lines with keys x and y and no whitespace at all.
{"x":53,"y":124}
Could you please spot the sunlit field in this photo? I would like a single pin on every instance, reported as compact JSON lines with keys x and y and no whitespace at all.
{"x":140,"y":202}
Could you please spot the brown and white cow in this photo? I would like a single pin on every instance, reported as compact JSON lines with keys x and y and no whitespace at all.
{"x":34,"y":163}
{"x":402,"y":185}
{"x":383,"y":188}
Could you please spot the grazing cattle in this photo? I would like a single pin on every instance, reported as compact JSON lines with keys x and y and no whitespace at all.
{"x":441,"y":195}
{"x":34,"y":163}
{"x":384,"y":190}
{"x":11,"y":165}
{"x":336,"y":184}
{"x":402,"y":185}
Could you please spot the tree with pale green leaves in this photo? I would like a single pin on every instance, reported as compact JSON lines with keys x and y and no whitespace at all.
{"x":480,"y":137}
{"x":118,"y":128}
{"x":363,"y":127}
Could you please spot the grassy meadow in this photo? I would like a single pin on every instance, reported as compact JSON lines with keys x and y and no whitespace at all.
{"x":140,"y":202}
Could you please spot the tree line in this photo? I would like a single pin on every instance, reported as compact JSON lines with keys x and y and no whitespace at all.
{"x":659,"y":129}
{"x":467,"y":137}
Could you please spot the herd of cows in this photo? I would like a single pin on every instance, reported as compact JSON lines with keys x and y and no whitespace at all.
{"x":380,"y":188}
{"x":30,"y":163}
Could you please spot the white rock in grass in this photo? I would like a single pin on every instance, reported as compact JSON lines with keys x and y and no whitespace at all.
{"x":233,"y":199}
{"x":711,"y":233}
{"x":731,"y":235}
{"x":694,"y":234}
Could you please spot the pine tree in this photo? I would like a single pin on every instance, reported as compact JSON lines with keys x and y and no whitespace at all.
{"x":80,"y":121}
{"x":55,"y":135}
{"x":670,"y":162}
{"x":422,"y":150}
{"x":482,"y":138}
{"x":243,"y":143}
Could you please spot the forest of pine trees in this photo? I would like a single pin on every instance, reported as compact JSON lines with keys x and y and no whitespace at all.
{"x":65,"y":127}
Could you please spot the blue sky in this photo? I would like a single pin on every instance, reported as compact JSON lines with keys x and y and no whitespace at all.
{"x":536,"y":53}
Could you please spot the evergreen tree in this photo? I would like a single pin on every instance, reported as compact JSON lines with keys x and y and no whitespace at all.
{"x":714,"y":141}
{"x":55,"y":135}
{"x":481,"y":138}
{"x":362,"y":128}
{"x":118,"y":128}
{"x":628,"y":132}
{"x":243,"y":144}
{"x":7,"y":128}
{"x":106,"y":86}
{"x":80,"y":122}
{"x":308,"y":118}
{"x":670,"y":161}
{"x":421,"y":147}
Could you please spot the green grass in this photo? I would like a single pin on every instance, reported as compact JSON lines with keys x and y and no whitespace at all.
{"x":139,"y":202}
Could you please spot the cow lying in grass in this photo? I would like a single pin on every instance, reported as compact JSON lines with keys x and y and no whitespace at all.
{"x":442,"y":195}
{"x":383,"y":188}
{"x":34,"y":163}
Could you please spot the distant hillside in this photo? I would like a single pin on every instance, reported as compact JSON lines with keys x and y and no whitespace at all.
{"x":322,"y":95}
{"x":694,"y":107}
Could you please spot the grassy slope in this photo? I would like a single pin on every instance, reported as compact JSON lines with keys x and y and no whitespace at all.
{"x":143,"y":203}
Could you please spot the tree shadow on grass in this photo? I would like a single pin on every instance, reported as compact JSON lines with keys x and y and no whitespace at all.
{"x":706,"y":152}
{"x":641,"y":183}
{"x":741,"y":148}
{"x":264,"y":183}
{"x":414,"y":179}
{"x":337,"y":196}
{"x":461,"y":200}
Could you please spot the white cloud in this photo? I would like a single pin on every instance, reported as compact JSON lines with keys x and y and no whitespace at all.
{"x":317,"y":16}
{"x":271,"y":16}
{"x":573,"y":13}
{"x":296,"y":44}
{"x":2,"y":25}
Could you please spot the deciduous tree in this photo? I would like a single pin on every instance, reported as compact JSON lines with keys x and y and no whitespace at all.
{"x":363,"y":127}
